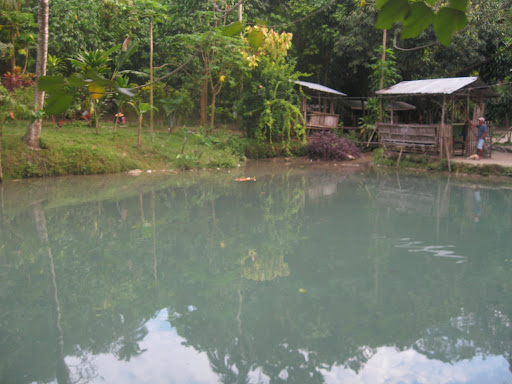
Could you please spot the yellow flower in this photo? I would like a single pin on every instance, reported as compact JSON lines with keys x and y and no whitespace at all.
{"x":222,"y":78}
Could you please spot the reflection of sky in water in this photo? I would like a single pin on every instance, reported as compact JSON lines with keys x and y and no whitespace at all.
{"x":168,"y":361}
{"x":388,"y":365}
{"x":434,"y":250}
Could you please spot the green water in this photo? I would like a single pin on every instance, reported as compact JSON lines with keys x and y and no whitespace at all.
{"x":307,"y":275}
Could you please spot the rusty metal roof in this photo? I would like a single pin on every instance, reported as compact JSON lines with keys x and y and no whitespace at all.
{"x":320,"y":88}
{"x":460,"y":86}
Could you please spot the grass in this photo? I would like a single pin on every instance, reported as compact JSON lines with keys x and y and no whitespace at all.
{"x":75,"y":149}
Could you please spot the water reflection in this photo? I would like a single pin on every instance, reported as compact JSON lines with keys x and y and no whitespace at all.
{"x":320,"y":277}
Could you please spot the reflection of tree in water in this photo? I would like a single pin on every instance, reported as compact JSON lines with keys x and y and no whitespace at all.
{"x":128,"y":345}
{"x":282,"y":229}
{"x":231,"y":369}
{"x":62,"y":370}
{"x":254,"y":247}
{"x":266,"y":267}
{"x":336,"y":330}
{"x":221,"y":280}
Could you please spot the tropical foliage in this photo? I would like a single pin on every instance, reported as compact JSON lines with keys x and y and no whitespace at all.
{"x":203,"y":49}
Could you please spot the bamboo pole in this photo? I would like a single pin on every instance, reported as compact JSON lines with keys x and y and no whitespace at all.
{"x":151,"y":89}
{"x":444,"y":135}
{"x":384,"y":38}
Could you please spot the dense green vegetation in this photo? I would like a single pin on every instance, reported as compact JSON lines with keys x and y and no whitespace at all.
{"x":195,"y":63}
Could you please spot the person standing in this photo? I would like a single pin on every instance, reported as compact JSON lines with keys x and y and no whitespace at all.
{"x":482,"y":133}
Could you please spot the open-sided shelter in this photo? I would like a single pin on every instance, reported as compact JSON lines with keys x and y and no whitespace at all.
{"x":437,"y":138}
{"x":399,"y":110}
{"x":319,"y":116}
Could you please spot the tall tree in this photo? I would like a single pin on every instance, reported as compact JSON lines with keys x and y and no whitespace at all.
{"x":33,"y":135}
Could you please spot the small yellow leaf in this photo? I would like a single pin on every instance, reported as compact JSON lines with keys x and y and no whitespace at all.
{"x":222,"y":79}
{"x":302,"y":290}
{"x":96,"y":90}
{"x":222,"y":245}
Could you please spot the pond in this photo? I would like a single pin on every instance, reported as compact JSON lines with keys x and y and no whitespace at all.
{"x":310,"y":274}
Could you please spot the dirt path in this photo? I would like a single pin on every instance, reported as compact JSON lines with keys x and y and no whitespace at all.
{"x":499,"y":158}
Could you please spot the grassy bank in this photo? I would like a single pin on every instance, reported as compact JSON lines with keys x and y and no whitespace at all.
{"x":75,"y":149}
{"x":411,"y":161}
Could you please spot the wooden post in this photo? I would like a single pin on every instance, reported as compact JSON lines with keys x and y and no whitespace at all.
{"x":304,"y":113}
{"x":391,"y":118}
{"x":468,"y":106}
{"x":453,"y":109}
{"x":443,"y":112}
{"x":384,"y":38}
{"x":444,"y":135}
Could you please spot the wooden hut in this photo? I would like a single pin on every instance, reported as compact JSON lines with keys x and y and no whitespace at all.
{"x":437,"y":138}
{"x":319,"y":112}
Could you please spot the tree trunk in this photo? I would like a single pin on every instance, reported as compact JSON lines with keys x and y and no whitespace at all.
{"x":13,"y":56}
{"x":151,"y":89}
{"x":1,"y":172}
{"x":33,"y":135}
{"x":139,"y":133}
{"x":212,"y":117}
{"x":204,"y":103}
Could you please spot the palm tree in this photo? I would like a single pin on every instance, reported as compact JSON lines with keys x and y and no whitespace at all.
{"x":33,"y":135}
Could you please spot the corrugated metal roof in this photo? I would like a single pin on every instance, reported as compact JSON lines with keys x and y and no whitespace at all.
{"x":448,"y":86}
{"x":320,"y":88}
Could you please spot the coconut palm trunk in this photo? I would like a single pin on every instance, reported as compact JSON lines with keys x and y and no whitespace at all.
{"x":33,"y":135}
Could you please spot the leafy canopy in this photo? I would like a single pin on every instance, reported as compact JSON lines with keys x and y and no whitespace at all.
{"x":416,"y":16}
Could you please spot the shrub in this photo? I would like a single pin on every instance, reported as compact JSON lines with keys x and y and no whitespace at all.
{"x":260,"y":150}
{"x":222,"y":159}
{"x":237,"y":145}
{"x":185,"y":161}
{"x":329,"y":146}
{"x":17,"y":79}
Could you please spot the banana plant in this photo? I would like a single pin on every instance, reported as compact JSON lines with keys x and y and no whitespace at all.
{"x":91,"y":70}
{"x":121,"y":99}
